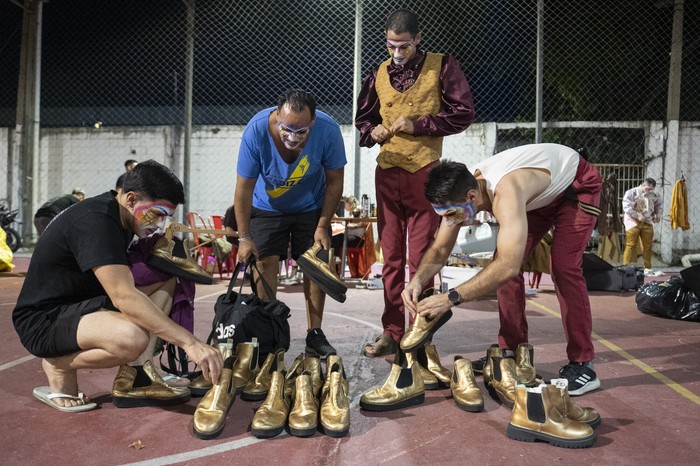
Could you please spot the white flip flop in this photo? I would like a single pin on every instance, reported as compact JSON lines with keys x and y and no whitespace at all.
{"x":44,"y":395}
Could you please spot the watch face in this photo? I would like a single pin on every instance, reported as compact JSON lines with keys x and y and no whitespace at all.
{"x":453,"y":296}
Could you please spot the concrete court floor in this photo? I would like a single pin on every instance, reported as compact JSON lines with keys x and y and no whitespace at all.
{"x":649,"y":400}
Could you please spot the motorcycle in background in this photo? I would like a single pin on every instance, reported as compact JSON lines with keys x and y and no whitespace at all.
{"x":7,"y":219}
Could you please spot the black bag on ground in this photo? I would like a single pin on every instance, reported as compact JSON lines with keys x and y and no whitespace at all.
{"x":603,"y":276}
{"x":243,"y":316}
{"x":670,"y":299}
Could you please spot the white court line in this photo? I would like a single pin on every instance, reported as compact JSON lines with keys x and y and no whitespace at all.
{"x":201,"y":453}
{"x":16,"y":362}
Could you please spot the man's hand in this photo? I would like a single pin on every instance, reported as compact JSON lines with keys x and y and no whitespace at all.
{"x":321,"y":236}
{"x":380,"y":133}
{"x":410,"y":296}
{"x":434,"y":306}
{"x":402,"y":125}
{"x":207,"y":358}
{"x":245,"y":250}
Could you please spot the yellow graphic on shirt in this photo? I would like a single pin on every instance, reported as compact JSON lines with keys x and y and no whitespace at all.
{"x":293,"y":179}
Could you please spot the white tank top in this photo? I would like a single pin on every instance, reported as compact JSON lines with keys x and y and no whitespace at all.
{"x":560,"y":161}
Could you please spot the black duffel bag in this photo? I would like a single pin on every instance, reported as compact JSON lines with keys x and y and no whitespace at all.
{"x":243,"y":317}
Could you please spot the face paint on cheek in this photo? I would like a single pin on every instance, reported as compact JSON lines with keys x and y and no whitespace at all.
{"x":456,"y":214}
{"x":150,"y":218}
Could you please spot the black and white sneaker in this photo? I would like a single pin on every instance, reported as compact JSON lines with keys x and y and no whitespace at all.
{"x":582,"y":378}
{"x":478,"y":365}
{"x":317,"y":344}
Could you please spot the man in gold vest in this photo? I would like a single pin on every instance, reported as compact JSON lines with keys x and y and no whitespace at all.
{"x":407,"y":105}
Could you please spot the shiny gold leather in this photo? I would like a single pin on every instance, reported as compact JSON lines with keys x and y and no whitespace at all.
{"x":271,"y":417}
{"x":157,"y":393}
{"x":570,"y":409}
{"x":536,"y":416}
{"x":465,"y":392}
{"x":443,"y":374}
{"x":246,"y":366}
{"x":257,"y":388}
{"x":332,"y":361}
{"x":200,"y":386}
{"x":322,"y":273}
{"x":504,"y":381}
{"x":422,"y":330}
{"x":303,"y":417}
{"x":312,"y":365}
{"x":163,"y":251}
{"x":294,"y":371}
{"x":525,"y":364}
{"x":211,"y":412}
{"x":493,"y":351}
{"x":335,"y":408}
{"x":430,"y":382}
{"x":403,"y":388}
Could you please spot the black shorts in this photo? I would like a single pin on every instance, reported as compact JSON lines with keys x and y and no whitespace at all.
{"x":54,"y":332}
{"x":273,"y":232}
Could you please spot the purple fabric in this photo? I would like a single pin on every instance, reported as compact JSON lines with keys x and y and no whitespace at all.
{"x":182,"y":312}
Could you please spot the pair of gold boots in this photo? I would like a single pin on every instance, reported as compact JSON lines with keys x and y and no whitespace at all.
{"x":210,"y":416}
{"x":245,"y":369}
{"x":293,"y":390}
{"x":422,"y":330}
{"x":156,"y":393}
{"x":501,"y":374}
{"x":547,"y":413}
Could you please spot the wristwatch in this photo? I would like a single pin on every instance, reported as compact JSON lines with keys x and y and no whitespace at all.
{"x":454,"y":297}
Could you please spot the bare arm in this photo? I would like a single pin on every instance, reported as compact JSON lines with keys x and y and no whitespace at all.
{"x":243,"y":204}
{"x":118,"y":283}
{"x":334,"y":190}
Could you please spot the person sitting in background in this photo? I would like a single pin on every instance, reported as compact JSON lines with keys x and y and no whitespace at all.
{"x":55,"y":206}
{"x":356,"y":230}
{"x":231,"y":226}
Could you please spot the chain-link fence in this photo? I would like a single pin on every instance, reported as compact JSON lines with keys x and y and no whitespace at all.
{"x":116,"y":79}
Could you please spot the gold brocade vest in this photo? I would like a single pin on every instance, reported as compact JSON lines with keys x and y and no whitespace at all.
{"x":423,"y":98}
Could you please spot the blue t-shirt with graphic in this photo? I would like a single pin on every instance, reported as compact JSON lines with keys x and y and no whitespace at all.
{"x":296,"y":187}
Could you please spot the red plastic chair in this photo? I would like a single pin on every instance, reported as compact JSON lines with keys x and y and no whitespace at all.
{"x":203,"y":249}
{"x":230,"y":262}
{"x":361,"y":257}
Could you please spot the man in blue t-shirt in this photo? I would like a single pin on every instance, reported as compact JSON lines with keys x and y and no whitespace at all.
{"x":290,"y":179}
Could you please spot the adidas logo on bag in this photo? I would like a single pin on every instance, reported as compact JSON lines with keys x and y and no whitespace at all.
{"x":224,"y":332}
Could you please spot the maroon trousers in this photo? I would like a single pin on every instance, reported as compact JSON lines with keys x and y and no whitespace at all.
{"x":572,"y":231}
{"x":404,"y":216}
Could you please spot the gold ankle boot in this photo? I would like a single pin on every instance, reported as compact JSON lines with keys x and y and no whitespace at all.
{"x":430,"y":382}
{"x":271,"y":417}
{"x":257,"y":388}
{"x":443,"y":374}
{"x":525,"y":364}
{"x":403,"y":388}
{"x":503,"y":381}
{"x":335,"y":408}
{"x":332,"y":361}
{"x":303,"y":417}
{"x":465,"y":391}
{"x":422,"y":330}
{"x":157,"y":393}
{"x":210,"y":416}
{"x":290,"y":379}
{"x":246,"y":366}
{"x":535,"y":417}
{"x":493,"y":351}
{"x":571,"y":410}
{"x":200,"y":386}
{"x":322,"y":273}
{"x":312,"y":365}
{"x":172,"y":257}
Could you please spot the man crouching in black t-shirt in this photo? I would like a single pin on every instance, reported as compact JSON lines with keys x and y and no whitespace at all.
{"x":79,"y":307}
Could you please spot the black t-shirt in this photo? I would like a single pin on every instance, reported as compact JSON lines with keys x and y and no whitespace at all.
{"x":52,"y":207}
{"x":87,"y":235}
{"x":230,"y":221}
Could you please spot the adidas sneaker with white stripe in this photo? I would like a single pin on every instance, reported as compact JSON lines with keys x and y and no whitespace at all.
{"x":582,"y":378}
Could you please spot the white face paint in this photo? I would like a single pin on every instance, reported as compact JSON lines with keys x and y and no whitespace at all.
{"x":401,"y":50}
{"x":292,"y":138}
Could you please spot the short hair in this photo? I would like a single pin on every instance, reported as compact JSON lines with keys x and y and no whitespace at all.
{"x":401,"y":21}
{"x":154,"y":181}
{"x":129,"y":163}
{"x":449,"y":182}
{"x":650,"y":181}
{"x":298,"y":100}
{"x":352,"y":200}
{"x":78,"y":191}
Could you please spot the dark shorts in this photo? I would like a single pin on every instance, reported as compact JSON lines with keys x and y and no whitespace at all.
{"x":273,"y":232}
{"x":54,"y":332}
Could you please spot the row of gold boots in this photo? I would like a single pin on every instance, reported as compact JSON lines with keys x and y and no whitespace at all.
{"x":297,"y":399}
{"x":245,"y":370}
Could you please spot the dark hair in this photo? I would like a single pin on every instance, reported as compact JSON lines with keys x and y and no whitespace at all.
{"x":298,"y":100}
{"x":650,"y":181}
{"x":129,"y":162}
{"x":401,"y":21}
{"x":154,"y":181}
{"x":449,"y":182}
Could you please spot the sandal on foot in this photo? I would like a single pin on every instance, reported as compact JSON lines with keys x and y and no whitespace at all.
{"x":44,"y":395}
{"x":382,"y":346}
